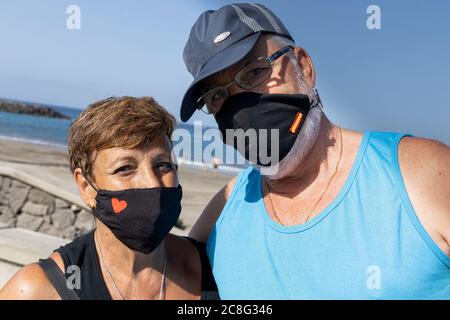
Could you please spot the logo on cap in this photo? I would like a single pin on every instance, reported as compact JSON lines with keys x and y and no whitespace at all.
{"x":222,"y":36}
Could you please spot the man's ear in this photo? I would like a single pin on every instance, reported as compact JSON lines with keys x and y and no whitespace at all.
{"x":87,"y":192}
{"x":306,"y":65}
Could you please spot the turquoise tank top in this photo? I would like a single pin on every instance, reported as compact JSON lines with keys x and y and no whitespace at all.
{"x":367,"y":244}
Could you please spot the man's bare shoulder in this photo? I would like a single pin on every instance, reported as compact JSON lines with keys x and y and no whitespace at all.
{"x":202,"y":228}
{"x":425,"y":168}
{"x":29,"y":283}
{"x":426,"y":165}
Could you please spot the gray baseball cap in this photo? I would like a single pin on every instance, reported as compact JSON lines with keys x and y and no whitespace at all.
{"x":219,"y":39}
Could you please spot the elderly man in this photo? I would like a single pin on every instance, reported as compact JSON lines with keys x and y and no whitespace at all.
{"x":345,"y":215}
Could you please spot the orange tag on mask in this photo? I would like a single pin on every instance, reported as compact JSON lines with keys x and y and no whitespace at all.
{"x":296,"y":124}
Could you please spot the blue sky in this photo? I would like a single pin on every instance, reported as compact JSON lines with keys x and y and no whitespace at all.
{"x":393,"y":79}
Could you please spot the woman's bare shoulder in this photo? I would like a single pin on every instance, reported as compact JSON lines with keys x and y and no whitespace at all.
{"x":29,"y":283}
{"x":185,"y":256}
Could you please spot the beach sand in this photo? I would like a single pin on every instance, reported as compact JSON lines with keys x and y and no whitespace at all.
{"x":51,"y":165}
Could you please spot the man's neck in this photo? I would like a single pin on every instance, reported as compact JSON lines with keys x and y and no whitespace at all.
{"x":319,"y":161}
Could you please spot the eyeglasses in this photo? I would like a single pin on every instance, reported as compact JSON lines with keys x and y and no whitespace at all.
{"x":249,"y":77}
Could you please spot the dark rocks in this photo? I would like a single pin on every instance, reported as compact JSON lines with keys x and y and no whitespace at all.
{"x":30,"y":109}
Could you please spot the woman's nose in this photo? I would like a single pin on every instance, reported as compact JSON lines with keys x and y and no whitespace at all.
{"x":148,"y":178}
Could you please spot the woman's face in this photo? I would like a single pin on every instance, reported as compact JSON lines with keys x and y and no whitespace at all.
{"x":147,"y":167}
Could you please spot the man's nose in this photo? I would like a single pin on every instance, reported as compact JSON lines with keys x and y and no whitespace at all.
{"x":232,"y":90}
{"x":235,"y":89}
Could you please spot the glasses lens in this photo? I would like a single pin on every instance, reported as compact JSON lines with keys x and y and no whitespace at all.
{"x":254,"y":74}
{"x":205,"y":109}
{"x":215,"y":98}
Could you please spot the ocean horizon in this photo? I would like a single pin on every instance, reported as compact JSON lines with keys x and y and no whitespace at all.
{"x":53,"y":132}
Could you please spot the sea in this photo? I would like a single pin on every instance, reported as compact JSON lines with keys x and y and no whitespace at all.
{"x":53,"y":132}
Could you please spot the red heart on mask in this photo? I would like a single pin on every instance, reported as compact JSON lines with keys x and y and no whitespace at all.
{"x":118,"y":205}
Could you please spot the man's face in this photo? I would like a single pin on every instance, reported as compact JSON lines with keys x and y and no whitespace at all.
{"x":286,"y":77}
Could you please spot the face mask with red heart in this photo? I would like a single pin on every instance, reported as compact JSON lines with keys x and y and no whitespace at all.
{"x":139,"y":218}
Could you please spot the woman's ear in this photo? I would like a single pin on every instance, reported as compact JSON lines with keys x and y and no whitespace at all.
{"x":87,"y":192}
{"x":306,"y":65}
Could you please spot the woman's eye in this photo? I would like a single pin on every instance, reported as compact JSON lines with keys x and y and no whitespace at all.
{"x":165,"y":166}
{"x":123,"y":169}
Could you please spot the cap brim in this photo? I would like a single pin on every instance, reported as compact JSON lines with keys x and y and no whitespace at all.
{"x":219,"y":62}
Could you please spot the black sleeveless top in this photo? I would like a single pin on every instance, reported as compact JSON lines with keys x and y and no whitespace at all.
{"x":81,"y":252}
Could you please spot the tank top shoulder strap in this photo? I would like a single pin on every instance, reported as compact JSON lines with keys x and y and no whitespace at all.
{"x":58,"y":280}
{"x":82,"y":254}
{"x":385,"y":145}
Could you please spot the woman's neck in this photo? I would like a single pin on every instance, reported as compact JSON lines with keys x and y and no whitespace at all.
{"x":117,"y":256}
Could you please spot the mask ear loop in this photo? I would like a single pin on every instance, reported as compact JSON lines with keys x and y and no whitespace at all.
{"x":319,"y":101}
{"x":87,"y":180}
{"x":85,"y":177}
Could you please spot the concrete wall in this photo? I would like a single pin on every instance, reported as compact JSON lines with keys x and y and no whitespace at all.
{"x":25,"y":206}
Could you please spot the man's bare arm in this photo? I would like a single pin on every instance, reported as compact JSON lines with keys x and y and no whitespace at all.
{"x":203,"y":226}
{"x":425,"y":167}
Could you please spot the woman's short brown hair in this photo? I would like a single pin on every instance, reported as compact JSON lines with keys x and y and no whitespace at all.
{"x":125,"y":122}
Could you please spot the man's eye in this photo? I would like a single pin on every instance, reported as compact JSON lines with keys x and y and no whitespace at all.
{"x":255,"y":72}
{"x":217,"y":96}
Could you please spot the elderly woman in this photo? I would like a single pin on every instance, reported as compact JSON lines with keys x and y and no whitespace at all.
{"x":120,"y":155}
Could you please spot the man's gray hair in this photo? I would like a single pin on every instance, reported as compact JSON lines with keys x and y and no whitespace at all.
{"x":305,"y":87}
{"x":282,"y":41}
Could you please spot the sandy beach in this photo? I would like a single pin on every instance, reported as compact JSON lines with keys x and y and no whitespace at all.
{"x":50,"y":164}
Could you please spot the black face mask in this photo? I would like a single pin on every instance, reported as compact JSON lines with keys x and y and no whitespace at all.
{"x":250,"y":110}
{"x":140,"y":218}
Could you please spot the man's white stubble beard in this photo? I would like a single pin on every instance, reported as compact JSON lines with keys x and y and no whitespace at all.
{"x":307,"y":136}
{"x":306,"y":139}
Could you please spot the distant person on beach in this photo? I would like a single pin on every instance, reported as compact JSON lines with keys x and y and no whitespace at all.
{"x":343,"y":214}
{"x":120,"y":155}
{"x":215,"y":163}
